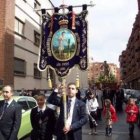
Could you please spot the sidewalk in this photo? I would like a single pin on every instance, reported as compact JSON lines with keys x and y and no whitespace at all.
{"x":120,"y":130}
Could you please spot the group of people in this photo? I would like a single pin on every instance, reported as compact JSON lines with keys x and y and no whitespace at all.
{"x":98,"y":101}
{"x":46,"y":122}
{"x":96,"y":107}
{"x":43,"y":119}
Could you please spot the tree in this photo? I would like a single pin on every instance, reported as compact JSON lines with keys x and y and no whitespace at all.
{"x":104,"y":79}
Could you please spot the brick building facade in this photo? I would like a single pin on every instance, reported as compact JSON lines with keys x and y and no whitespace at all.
{"x":7,"y":15}
{"x":130,"y":58}
{"x":96,"y":69}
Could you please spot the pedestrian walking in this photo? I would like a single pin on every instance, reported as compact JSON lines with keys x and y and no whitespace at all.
{"x":76,"y":116}
{"x":92,"y":106}
{"x":132,"y":115}
{"x":10,"y":115}
{"x":119,"y":99}
{"x":99,"y":95}
{"x":42,"y":120}
{"x":110,"y":116}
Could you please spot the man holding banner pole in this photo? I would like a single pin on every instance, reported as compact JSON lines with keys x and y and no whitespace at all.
{"x":70,"y":128}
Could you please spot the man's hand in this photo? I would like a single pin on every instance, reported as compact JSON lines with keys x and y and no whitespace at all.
{"x":66,"y":129}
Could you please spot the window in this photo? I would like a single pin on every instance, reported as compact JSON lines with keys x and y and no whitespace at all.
{"x":37,"y":73}
{"x":19,"y":67}
{"x":19,"y":26}
{"x":32,"y":103}
{"x":37,"y":5}
{"x":36,"y":38}
{"x":23,"y":103}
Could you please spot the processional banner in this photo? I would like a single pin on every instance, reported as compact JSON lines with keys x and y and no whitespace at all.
{"x":64,"y":41}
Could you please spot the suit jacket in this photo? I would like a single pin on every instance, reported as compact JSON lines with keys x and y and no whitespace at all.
{"x":11,"y":120}
{"x":43,"y":126}
{"x":78,"y":120}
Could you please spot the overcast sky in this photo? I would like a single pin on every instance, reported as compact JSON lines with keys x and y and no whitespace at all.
{"x":110,"y":25}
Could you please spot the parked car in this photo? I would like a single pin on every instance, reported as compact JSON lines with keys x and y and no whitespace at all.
{"x":131,"y":93}
{"x":27,"y":104}
{"x":127,"y":94}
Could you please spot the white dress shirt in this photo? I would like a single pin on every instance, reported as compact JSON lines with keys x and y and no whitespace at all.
{"x":9,"y":102}
{"x":41,"y":109}
{"x":91,"y":105}
{"x":69,"y":119}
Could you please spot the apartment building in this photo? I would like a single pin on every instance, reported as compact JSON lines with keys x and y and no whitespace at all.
{"x":130,"y":58}
{"x":19,"y":43}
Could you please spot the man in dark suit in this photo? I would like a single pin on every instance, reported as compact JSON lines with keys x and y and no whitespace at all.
{"x":10,"y":115}
{"x":76,"y":118}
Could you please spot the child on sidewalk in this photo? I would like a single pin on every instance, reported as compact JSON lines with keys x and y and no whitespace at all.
{"x":109,"y":113}
{"x":132,"y":115}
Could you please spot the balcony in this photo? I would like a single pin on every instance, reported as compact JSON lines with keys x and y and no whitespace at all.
{"x":137,"y":44}
{"x":133,"y":62}
{"x":138,"y":65}
{"x":137,"y":56}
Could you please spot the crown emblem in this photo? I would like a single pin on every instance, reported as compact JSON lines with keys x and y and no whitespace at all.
{"x":63,"y":22}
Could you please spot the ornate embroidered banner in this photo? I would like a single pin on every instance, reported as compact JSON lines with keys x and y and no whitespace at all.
{"x":64,"y":41}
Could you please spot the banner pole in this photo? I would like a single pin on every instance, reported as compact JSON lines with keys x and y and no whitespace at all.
{"x":64,"y":99}
{"x":64,"y":102}
{"x":65,"y":7}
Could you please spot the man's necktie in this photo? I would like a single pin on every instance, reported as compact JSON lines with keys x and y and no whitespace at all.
{"x":68,"y":107}
{"x":5,"y":106}
{"x":40,"y":116}
{"x":40,"y":113}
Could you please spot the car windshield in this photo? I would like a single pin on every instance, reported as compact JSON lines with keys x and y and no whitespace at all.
{"x":23,"y":103}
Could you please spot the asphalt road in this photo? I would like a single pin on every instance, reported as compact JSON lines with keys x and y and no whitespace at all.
{"x":120,"y":131}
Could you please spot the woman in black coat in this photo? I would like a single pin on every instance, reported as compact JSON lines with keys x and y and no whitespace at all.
{"x":42,"y":120}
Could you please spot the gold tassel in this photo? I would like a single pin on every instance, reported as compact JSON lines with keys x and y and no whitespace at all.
{"x":77,"y":81}
{"x":49,"y":80}
{"x":49,"y":83}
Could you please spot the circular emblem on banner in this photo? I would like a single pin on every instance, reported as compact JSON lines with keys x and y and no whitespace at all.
{"x":63,"y":44}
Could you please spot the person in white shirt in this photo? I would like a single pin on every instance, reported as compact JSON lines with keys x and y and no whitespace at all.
{"x":76,"y":116}
{"x":92,"y":106}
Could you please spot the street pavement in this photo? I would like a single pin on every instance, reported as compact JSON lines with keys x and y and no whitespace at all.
{"x":120,"y":130}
